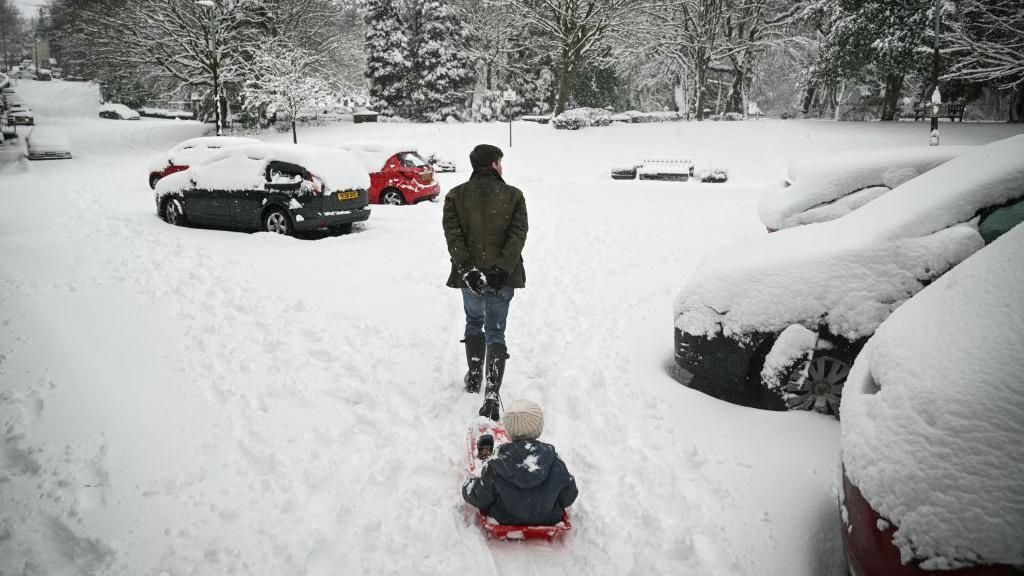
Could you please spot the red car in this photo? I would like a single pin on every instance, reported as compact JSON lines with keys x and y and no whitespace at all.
{"x":932,"y":431}
{"x":398,"y":174}
{"x":191,"y":152}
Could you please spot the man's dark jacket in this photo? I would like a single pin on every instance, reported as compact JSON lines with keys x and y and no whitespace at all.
{"x":524,"y":484}
{"x":485,"y":225}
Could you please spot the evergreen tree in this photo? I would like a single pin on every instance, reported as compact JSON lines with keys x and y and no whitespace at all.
{"x":442,"y":65}
{"x":387,"y":63}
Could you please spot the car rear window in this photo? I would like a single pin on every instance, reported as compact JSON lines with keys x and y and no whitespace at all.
{"x":1001,"y":220}
{"x":411,"y":160}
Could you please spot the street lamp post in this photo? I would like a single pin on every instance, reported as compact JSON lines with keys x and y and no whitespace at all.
{"x":936,"y":97}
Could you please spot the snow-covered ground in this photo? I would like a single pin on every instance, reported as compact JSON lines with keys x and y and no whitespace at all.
{"x":181,"y":401}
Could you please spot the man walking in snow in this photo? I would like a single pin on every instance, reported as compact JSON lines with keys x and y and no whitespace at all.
{"x":485,"y":227}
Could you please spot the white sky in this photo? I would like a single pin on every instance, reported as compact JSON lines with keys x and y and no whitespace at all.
{"x":29,"y":8}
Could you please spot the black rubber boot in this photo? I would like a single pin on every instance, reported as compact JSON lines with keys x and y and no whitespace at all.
{"x":475,"y":361}
{"x":495,"y":370}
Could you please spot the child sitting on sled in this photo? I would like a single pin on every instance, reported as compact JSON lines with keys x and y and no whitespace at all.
{"x":524,"y":483}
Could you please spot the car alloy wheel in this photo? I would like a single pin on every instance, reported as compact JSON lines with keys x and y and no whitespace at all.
{"x":277,"y":223}
{"x":392,"y":196}
{"x":817,"y":384}
{"x":173,"y":213}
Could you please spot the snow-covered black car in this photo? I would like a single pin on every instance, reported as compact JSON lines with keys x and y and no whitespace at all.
{"x":823,"y":188}
{"x":776,"y":321}
{"x":932,"y":428}
{"x":113,"y":111}
{"x":275,"y":188}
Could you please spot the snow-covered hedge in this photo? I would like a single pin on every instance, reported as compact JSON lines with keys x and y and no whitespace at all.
{"x":851,"y":273}
{"x":817,"y":182}
{"x":933,"y":415}
{"x":581,"y":118}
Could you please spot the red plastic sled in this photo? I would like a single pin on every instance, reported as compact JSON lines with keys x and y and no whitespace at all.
{"x":501,"y":531}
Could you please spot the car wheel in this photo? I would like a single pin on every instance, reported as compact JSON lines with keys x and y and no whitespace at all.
{"x":392,"y":196}
{"x":174,"y":212}
{"x":817,"y":384}
{"x":277,"y":222}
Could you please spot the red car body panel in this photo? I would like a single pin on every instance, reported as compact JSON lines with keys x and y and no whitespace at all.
{"x":170,"y":169}
{"x":416,"y":184}
{"x":871,"y":552}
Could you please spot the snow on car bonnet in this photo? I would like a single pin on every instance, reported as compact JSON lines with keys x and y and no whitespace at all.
{"x":851,"y":273}
{"x":375,"y":154}
{"x":49,"y":139}
{"x":243,"y":168}
{"x":820,"y":180}
{"x":933,"y":415}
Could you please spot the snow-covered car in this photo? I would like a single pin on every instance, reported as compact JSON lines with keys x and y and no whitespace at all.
{"x":45,"y":143}
{"x":776,"y":321}
{"x":193,"y":151}
{"x":398,"y":174}
{"x":113,"y":111}
{"x":280,"y":188}
{"x":933,"y":428}
{"x":21,"y":117}
{"x":822,"y":188}
{"x":440,"y":164}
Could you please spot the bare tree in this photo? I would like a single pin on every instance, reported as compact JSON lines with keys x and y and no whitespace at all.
{"x":286,"y":78}
{"x":571,"y":30}
{"x":10,"y":31}
{"x":987,"y":45}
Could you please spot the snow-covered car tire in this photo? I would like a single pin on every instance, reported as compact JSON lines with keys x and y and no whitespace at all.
{"x":817,"y":384}
{"x":174,"y":214}
{"x":392,"y":196}
{"x":276,"y":221}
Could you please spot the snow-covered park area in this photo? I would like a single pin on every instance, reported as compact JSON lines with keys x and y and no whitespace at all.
{"x":182,"y":401}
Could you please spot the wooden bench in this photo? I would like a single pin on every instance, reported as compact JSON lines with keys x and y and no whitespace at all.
{"x":951,"y":110}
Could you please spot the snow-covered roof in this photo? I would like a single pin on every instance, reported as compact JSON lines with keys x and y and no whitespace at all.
{"x":374,"y":154}
{"x":195,"y":150}
{"x":120,"y":109}
{"x":933,"y":415}
{"x":45,"y":139}
{"x":851,"y":273}
{"x":817,"y":181}
{"x":244,"y":168}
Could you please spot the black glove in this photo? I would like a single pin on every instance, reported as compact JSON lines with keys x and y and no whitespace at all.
{"x":497,"y":278}
{"x":475,"y":281}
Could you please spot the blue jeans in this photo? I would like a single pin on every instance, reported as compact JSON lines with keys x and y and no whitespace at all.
{"x":487,"y":314}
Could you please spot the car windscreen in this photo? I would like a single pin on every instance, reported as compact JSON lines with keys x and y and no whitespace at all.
{"x":411,"y":160}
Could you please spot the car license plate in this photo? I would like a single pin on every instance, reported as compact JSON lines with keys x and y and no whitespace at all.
{"x":348,"y":195}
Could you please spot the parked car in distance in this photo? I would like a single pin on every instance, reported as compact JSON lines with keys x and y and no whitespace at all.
{"x":45,"y":143}
{"x":440,"y":164}
{"x":44,"y":74}
{"x":193,"y":151}
{"x":274,"y":188}
{"x":931,"y":448}
{"x":823,"y":188}
{"x":113,"y":111}
{"x":21,"y":117}
{"x":775,"y":321}
{"x":398,"y":174}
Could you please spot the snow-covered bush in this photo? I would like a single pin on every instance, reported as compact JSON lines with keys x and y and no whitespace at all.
{"x":581,"y":118}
